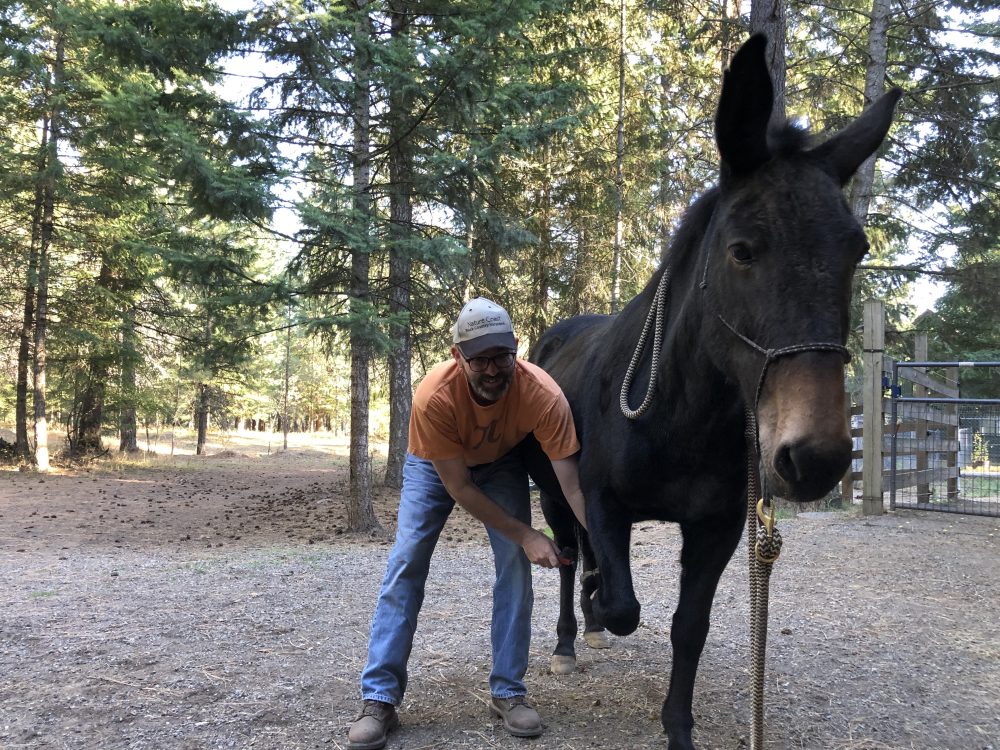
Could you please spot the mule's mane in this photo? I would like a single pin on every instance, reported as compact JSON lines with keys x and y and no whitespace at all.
{"x":689,"y":232}
{"x":785,"y":141}
{"x":788,"y":140}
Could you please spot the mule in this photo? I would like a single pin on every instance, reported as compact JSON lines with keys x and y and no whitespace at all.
{"x":756,"y":314}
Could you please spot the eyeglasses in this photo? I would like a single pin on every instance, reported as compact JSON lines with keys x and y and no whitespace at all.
{"x":501,"y":361}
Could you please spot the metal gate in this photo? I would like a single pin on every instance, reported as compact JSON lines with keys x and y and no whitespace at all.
{"x":945,"y":449}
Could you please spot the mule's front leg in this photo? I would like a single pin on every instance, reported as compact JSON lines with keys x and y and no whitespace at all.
{"x":706,"y":551}
{"x":594,"y":634}
{"x":615,"y":606}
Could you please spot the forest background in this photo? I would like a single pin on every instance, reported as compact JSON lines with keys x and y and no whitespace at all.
{"x":267,"y":218}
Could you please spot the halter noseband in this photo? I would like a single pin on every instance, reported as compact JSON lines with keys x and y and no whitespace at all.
{"x":772,"y":354}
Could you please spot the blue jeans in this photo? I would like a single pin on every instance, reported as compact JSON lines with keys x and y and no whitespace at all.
{"x":424,"y":506}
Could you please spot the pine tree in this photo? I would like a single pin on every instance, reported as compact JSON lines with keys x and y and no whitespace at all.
{"x":400,"y":237}
{"x":360,"y":510}
{"x":144,"y":131}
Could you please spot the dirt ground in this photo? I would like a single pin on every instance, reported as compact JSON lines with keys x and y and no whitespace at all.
{"x":216,"y":602}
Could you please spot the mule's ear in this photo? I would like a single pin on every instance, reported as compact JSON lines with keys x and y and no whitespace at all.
{"x":845,"y":152}
{"x":745,"y":109}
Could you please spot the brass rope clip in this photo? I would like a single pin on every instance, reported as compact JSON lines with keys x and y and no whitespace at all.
{"x":768,"y":546}
{"x":765,"y":519}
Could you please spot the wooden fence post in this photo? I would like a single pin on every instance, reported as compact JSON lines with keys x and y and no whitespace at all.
{"x":847,"y":483}
{"x":874,"y":346}
{"x":951,"y":376}
{"x":922,"y":459}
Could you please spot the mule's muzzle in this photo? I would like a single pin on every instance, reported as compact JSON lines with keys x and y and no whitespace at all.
{"x":808,"y":469}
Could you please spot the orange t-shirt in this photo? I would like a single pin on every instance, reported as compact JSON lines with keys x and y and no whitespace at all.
{"x":446,"y":422}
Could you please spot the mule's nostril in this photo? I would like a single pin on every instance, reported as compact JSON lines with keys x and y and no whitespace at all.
{"x":784,"y":464}
{"x":810,"y":470}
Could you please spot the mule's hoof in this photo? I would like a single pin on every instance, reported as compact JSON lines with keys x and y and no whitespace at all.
{"x":597,"y":639}
{"x":620,"y":620}
{"x":562,"y":664}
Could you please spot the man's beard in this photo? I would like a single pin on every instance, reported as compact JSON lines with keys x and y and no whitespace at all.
{"x":494,"y":386}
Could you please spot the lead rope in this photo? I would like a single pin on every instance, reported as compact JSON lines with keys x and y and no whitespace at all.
{"x":763,"y":539}
{"x":763,"y":548}
{"x":658,"y":311}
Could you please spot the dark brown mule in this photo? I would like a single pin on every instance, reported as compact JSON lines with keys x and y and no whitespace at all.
{"x":756,"y":315}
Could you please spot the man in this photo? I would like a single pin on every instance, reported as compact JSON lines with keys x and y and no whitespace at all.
{"x":469,"y":415}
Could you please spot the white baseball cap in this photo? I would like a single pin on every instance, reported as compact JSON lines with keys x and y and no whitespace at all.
{"x":482,"y":325}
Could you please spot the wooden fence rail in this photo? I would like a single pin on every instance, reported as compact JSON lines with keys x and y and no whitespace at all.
{"x":920,"y":429}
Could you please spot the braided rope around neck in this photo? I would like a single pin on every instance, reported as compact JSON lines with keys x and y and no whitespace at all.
{"x":657,"y":310}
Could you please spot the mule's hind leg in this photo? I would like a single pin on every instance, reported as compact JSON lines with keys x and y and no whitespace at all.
{"x":706,"y":551}
{"x":564,"y":533}
{"x":595,"y":635}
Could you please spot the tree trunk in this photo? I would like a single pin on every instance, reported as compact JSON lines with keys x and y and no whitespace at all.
{"x":468,"y":292}
{"x":128,"y":441}
{"x":730,"y":21}
{"x":288,"y":377}
{"x":87,"y":437}
{"x":768,"y":16}
{"x":41,"y":321}
{"x":88,"y":433}
{"x":22,"y":448}
{"x":582,"y":276}
{"x":664,"y":228}
{"x":544,"y":256}
{"x":616,"y":260}
{"x":201,"y":417}
{"x":878,"y":44}
{"x":400,"y":229}
{"x":44,"y":247}
{"x":360,"y":508}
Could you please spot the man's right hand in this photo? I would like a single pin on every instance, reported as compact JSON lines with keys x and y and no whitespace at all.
{"x":541,"y":550}
{"x":455,"y":476}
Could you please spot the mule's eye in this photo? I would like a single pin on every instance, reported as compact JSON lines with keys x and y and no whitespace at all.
{"x":741,"y":253}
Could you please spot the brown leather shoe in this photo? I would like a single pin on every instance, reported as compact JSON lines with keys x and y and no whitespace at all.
{"x":370,"y":731}
{"x":519,"y":717}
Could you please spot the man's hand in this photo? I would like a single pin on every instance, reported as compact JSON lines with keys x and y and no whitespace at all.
{"x":540,"y":549}
{"x":455,"y":476}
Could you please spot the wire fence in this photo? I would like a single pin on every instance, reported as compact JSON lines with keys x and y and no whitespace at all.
{"x":945,"y":451}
